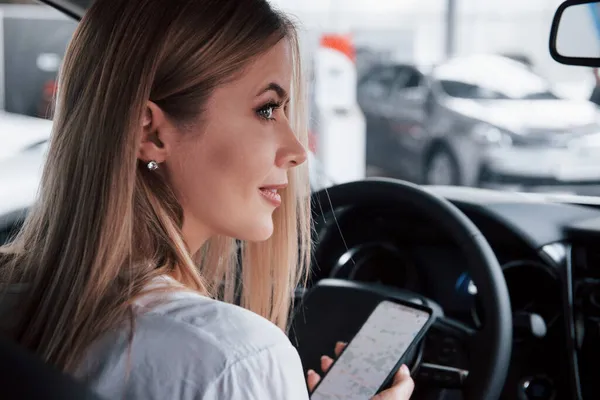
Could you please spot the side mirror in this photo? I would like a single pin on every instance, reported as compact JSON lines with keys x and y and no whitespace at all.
{"x":575,"y":33}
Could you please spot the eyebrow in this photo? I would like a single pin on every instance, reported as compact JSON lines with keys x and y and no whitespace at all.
{"x":281,"y":92}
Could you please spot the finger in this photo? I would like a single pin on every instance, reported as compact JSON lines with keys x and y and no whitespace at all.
{"x":401,"y":389}
{"x":312,"y":379}
{"x":402,"y":374}
{"x":339,"y":347}
{"x":326,"y":363}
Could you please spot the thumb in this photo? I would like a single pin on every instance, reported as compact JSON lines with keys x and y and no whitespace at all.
{"x":401,"y":389}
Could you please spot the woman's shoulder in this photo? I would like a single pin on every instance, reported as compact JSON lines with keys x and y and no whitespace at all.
{"x":227,"y":328}
{"x":195,"y":343}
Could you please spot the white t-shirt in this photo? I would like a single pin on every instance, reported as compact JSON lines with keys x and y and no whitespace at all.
{"x":190,"y":347}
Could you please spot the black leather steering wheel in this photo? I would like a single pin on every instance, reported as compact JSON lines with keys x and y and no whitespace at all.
{"x":489,"y":348}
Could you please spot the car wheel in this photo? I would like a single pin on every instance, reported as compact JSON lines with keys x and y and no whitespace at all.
{"x":442,"y":169}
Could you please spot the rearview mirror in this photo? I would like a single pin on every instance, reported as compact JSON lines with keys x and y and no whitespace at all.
{"x":575,"y":33}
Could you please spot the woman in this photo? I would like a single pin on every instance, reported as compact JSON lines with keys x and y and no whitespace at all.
{"x":178,"y":140}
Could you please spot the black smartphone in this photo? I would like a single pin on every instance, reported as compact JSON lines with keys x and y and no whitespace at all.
{"x":376,"y":352}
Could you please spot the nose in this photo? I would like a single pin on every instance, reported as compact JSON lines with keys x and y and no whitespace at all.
{"x":291,"y":152}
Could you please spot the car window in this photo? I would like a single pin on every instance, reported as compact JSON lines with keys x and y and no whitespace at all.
{"x":384,"y":76}
{"x":491,"y":90}
{"x":35,"y":38}
{"x":407,"y":77}
{"x":489,"y":72}
{"x":378,"y":82}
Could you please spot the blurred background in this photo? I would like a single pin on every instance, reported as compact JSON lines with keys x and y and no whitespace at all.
{"x":439,"y":92}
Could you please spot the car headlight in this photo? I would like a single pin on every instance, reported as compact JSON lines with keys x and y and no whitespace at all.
{"x":492,"y":135}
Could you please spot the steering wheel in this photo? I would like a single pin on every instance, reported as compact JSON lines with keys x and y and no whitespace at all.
{"x":489,"y":347}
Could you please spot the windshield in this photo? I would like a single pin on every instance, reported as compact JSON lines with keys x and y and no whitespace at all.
{"x":400,"y":89}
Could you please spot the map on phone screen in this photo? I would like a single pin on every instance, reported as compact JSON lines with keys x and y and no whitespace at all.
{"x":373,"y":353}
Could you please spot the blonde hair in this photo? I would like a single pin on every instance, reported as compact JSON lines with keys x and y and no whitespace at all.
{"x":103,"y":226}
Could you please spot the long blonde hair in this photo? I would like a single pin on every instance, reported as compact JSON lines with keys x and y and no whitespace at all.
{"x":103,"y":226}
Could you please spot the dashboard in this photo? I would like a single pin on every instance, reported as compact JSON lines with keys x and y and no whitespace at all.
{"x":546,"y":247}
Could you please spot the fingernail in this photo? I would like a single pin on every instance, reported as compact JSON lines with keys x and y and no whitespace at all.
{"x":404,"y":370}
{"x":342,"y":343}
{"x":310,"y":372}
{"x":323,"y":358}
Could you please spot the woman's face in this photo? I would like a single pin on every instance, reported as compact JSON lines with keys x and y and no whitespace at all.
{"x":228,"y":172}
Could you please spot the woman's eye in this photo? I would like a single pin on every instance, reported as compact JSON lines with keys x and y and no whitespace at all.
{"x":267,"y":111}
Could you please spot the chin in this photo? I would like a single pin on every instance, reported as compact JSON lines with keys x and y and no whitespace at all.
{"x":259,"y":232}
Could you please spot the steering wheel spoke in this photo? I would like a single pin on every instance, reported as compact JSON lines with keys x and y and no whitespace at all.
{"x":447,"y":349}
{"x":441,"y":376}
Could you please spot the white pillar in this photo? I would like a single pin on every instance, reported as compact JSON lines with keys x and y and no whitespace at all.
{"x":339,"y":124}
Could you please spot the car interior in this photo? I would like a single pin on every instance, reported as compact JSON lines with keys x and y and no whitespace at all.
{"x":516,"y":276}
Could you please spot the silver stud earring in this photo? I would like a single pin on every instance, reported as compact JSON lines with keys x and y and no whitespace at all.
{"x":152,"y":165}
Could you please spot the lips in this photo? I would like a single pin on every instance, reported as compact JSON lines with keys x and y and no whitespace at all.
{"x":271,"y":194}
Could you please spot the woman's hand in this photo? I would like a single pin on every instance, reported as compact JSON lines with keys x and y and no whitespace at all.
{"x":401,"y":389}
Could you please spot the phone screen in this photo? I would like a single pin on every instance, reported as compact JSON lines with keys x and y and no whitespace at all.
{"x":373,"y":353}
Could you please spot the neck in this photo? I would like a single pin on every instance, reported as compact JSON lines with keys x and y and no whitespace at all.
{"x":194,"y":235}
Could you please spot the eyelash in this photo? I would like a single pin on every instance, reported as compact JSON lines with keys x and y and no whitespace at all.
{"x":272,"y":104}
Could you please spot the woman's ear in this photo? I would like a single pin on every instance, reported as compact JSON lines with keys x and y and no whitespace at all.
{"x":156,"y":131}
